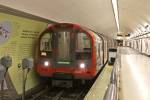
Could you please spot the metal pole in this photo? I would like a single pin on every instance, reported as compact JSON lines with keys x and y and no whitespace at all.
{"x":2,"y":89}
{"x":23,"y":84}
{"x":2,"y":84}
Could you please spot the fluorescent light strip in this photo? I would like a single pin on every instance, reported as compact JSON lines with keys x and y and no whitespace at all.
{"x":115,"y":8}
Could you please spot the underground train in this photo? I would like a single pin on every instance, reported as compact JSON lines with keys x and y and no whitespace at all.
{"x":70,"y":51}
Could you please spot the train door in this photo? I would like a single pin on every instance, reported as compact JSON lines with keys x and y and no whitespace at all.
{"x":99,"y":52}
{"x":64,"y":57}
{"x":101,"y":45}
{"x":105,"y":50}
{"x":140,"y":42}
{"x":63,"y":46}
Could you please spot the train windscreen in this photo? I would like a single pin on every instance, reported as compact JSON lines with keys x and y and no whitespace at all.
{"x":45,"y":44}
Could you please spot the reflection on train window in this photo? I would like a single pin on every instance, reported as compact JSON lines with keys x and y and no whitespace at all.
{"x":64,"y":45}
{"x":45,"y":43}
{"x":83,"y":46}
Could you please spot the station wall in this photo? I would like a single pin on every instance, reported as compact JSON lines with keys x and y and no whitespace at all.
{"x":17,"y":39}
{"x":141,"y":44}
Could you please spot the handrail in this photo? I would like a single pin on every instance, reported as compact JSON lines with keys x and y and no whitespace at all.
{"x":112,"y":90}
{"x":111,"y":93}
{"x":113,"y":77}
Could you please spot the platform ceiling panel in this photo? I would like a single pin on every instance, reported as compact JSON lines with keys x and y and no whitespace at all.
{"x":95,"y":14}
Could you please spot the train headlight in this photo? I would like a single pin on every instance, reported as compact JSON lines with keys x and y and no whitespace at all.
{"x":82,"y":65}
{"x":46,"y":63}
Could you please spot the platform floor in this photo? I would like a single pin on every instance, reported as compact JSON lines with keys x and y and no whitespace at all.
{"x":98,"y":89}
{"x":134,"y":75}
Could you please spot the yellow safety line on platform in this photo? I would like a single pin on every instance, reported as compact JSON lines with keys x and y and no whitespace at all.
{"x":98,"y":89}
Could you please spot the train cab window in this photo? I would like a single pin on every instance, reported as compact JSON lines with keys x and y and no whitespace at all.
{"x":83,"y":46}
{"x":45,"y":44}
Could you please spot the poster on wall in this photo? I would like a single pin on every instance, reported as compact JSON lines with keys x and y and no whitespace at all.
{"x":137,"y":44}
{"x":134,"y":44}
{"x":5,"y":31}
{"x":17,"y":39}
{"x":140,"y":44}
{"x":148,"y":46}
{"x":144,"y":46}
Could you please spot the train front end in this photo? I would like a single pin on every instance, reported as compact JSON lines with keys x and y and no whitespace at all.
{"x":66,"y":51}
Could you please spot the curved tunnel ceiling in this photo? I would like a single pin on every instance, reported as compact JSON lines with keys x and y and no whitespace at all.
{"x":134,"y":14}
{"x":95,"y":14}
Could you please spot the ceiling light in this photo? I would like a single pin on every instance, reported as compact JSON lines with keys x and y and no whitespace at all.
{"x":115,"y":9}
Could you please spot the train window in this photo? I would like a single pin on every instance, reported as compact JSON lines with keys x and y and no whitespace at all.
{"x":83,"y":46}
{"x":45,"y":43}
